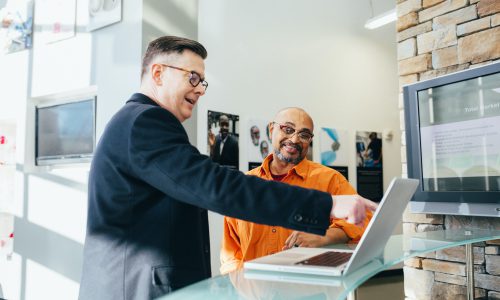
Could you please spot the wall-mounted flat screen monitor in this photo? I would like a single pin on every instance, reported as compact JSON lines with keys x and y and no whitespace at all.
{"x":453,"y":142}
{"x":65,"y":133}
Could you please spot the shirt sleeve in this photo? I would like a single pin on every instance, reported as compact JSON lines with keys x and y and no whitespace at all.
{"x":230,"y":253}
{"x":340,"y":186}
{"x":352,"y":231}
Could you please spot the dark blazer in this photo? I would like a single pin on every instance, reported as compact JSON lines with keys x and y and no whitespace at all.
{"x":149,"y":188}
{"x":230,"y":152}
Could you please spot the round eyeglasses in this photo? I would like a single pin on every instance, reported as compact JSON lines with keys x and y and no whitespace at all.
{"x":305,"y":136}
{"x":194,"y":78}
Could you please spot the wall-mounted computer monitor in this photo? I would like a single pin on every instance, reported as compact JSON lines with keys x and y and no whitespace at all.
{"x":453,"y":142}
{"x":65,"y":132}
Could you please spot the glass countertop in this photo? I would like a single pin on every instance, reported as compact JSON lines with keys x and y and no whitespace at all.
{"x":252,"y":284}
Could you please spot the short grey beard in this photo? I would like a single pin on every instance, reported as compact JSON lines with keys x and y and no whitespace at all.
{"x":289,"y":160}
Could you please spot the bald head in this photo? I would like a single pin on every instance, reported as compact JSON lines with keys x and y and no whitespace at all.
{"x":291,"y":114}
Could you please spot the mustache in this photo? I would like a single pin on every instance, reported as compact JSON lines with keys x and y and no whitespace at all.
{"x":298,"y":147}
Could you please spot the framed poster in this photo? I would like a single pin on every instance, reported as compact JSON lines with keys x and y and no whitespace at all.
{"x":103,"y":13}
{"x":57,"y":19}
{"x":222,"y":138}
{"x":369,"y":149}
{"x":369,"y":173}
{"x":259,"y":143}
{"x":16,"y":26}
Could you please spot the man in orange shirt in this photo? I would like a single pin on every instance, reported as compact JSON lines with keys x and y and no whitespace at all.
{"x":291,"y":134}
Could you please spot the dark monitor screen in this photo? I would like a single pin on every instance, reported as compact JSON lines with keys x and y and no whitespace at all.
{"x":65,"y":133}
{"x":453,"y":142}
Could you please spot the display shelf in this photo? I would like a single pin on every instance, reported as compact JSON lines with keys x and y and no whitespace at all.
{"x":244,"y":284}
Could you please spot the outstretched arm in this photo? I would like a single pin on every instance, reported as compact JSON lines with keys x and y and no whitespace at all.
{"x":351,"y":208}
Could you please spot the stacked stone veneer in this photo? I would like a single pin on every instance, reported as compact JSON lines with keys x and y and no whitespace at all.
{"x":437,"y":37}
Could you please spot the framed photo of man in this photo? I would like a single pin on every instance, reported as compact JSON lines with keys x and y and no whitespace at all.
{"x":223,"y":138}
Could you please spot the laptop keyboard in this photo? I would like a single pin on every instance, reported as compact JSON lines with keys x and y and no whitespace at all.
{"x":327,"y":259}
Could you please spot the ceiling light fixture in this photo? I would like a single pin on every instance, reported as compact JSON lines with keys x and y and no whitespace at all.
{"x":382,"y":19}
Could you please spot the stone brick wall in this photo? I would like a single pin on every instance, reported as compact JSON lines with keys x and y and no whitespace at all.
{"x":437,"y":37}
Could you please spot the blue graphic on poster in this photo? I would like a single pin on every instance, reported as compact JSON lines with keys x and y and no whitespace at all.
{"x":332,"y":147}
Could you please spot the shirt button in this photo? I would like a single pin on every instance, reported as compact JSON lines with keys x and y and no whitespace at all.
{"x":274,"y":230}
{"x":298,"y":218}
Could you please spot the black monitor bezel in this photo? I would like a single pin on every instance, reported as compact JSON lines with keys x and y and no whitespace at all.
{"x":413,"y":148}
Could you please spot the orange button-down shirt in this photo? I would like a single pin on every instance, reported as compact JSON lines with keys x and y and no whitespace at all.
{"x":244,"y":240}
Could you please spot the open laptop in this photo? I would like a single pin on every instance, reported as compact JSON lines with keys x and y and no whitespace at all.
{"x":334,"y":262}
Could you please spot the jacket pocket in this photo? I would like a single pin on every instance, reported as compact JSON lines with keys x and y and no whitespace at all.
{"x":161,"y":281}
{"x":166,"y":279}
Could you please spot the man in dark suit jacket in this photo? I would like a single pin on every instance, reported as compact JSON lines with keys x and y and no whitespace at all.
{"x":149,"y":188}
{"x":229,"y":155}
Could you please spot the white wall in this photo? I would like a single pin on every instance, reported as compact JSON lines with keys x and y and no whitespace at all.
{"x":266,"y":55}
{"x":51,"y":204}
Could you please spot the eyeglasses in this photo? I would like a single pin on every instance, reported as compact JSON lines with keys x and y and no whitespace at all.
{"x":304,"y":136}
{"x":194,"y":78}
